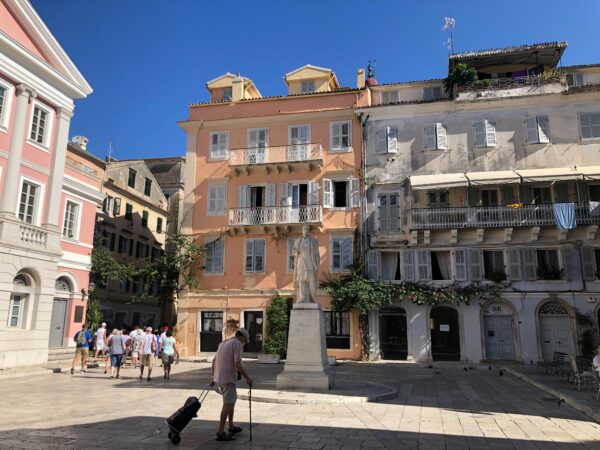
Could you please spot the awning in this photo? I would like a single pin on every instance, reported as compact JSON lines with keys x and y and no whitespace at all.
{"x":590,"y":172}
{"x":541,"y":175}
{"x":440,"y":181}
{"x":493,"y":177}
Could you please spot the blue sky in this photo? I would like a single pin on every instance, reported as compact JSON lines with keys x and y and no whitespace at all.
{"x":148,"y":59}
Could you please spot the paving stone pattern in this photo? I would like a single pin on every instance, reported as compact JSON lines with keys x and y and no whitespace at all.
{"x":446,"y":408}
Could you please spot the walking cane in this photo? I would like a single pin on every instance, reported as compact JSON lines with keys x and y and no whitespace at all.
{"x":250,"y":407}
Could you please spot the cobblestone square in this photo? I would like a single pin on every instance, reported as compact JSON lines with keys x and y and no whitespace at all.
{"x":445,"y":408}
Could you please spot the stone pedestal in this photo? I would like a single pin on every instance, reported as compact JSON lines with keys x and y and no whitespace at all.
{"x":306,"y":365}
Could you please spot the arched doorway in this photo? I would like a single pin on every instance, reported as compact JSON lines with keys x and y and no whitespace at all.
{"x":445,"y":334}
{"x":393,"y":342}
{"x":555,"y":330}
{"x":498,"y":332}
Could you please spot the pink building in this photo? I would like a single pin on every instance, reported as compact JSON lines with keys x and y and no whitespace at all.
{"x":39,"y":187}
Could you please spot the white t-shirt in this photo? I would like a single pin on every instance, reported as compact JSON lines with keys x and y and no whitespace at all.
{"x":147,"y":340}
{"x":100,"y":333}
{"x":596,"y":363}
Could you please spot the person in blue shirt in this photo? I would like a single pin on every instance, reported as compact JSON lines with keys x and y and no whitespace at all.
{"x":82,"y":347}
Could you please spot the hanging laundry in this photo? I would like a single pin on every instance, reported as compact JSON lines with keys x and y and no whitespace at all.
{"x":564,"y":215}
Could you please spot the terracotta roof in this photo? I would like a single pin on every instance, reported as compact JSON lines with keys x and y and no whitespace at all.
{"x":514,"y":49}
{"x":581,"y":66}
{"x":407,"y":102}
{"x":397,"y":83}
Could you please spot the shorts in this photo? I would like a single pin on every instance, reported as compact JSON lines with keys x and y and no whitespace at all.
{"x":167,"y":359}
{"x":135,"y":354}
{"x":100,"y":346}
{"x":146,"y":360}
{"x":115,"y":360}
{"x":83,"y":353}
{"x":229,"y":393}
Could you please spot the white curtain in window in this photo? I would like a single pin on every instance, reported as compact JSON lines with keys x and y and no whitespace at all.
{"x":389,"y":263}
{"x":445,"y":265}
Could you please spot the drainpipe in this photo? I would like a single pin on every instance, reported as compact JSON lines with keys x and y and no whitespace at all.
{"x":362,"y":119}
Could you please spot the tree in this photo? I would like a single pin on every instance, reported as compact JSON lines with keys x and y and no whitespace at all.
{"x":459,"y":75}
{"x":354,"y":292}
{"x":278,"y":319}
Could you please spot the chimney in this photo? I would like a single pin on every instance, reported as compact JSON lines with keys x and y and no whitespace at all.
{"x":80,"y":141}
{"x":237,"y":88}
{"x":360,"y":78}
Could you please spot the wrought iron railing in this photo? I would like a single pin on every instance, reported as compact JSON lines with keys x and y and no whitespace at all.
{"x":497,"y":216}
{"x":508,"y":83}
{"x":274,"y":155}
{"x":267,"y":215}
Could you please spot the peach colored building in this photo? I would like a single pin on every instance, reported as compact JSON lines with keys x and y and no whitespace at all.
{"x":258,"y":169}
{"x":38,"y":85}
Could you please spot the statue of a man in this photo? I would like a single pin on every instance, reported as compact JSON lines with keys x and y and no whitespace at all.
{"x":306,"y":265}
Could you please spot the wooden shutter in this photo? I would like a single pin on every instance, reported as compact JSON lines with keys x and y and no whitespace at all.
{"x":460,"y":264}
{"x":346,"y":253}
{"x":336,"y":135}
{"x":392,"y":139}
{"x":480,"y":134}
{"x":583,"y":194}
{"x":218,"y":257}
{"x":585,"y":125}
{"x":313,"y":192}
{"x":394,"y":212}
{"x":589,"y":263}
{"x":441,"y":136}
{"x":373,"y":264}
{"x":430,"y":138}
{"x":476,"y":263}
{"x":243,"y":196}
{"x":490,"y":133}
{"x":222,"y":198}
{"x":543,"y":129}
{"x":259,"y":255}
{"x":290,"y":254}
{"x":354,"y":192}
{"x":381,"y":142}
{"x":531,"y":129}
{"x":529,"y":263}
{"x":408,"y":265}
{"x":270,"y":194}
{"x":514,"y":263}
{"x":384,"y":213}
{"x":117,"y":206}
{"x":284,"y":200}
{"x":252,"y":138}
{"x":249,"y":256}
{"x":327,"y":193}
{"x":423,"y":265}
{"x":595,"y":124}
{"x":212,"y":199}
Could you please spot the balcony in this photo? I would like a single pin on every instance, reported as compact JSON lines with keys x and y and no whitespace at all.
{"x":494,"y":217}
{"x":545,"y":83}
{"x":276,"y":215}
{"x":284,"y":158}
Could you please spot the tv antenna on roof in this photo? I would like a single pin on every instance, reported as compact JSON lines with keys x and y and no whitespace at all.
{"x":449,"y":24}
{"x":110,"y":150}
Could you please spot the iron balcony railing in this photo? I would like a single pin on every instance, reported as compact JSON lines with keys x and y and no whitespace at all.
{"x":508,"y":83}
{"x":496,"y":216}
{"x":276,"y":155}
{"x":269,"y":215}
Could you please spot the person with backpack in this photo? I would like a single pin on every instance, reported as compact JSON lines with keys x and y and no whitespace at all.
{"x":147,"y":349}
{"x":82,"y":344}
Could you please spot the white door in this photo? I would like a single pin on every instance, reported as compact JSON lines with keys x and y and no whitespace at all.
{"x":555,"y":335}
{"x":257,"y":145}
{"x":299,"y":139}
{"x":499,"y":340}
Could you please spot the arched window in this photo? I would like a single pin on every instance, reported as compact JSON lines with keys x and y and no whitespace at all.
{"x":23,"y":287}
{"x":553,"y":308}
{"x":63,"y":285}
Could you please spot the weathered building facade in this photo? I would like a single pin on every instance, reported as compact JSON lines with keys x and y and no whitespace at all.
{"x":498,"y":184}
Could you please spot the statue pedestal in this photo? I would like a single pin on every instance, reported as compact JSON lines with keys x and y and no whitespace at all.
{"x":306,"y":365}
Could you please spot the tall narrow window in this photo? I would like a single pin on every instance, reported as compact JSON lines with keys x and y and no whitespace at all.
{"x":28,"y":203}
{"x":217,"y":194}
{"x":589,"y":125}
{"x":131,"y":178}
{"x":2,"y":103}
{"x":128,"y":211}
{"x":159,"y":225}
{"x":144,"y":218}
{"x":341,"y":135}
{"x":226,"y":94}
{"x":39,"y":125}
{"x":536,"y":129}
{"x":219,"y":143}
{"x":107,"y":204}
{"x":485,"y":133}
{"x":388,"y":213}
{"x":341,"y":253}
{"x":70,"y":220}
{"x":435,"y":137}
{"x":254,"y":256}
{"x":117,"y":206}
{"x":147,"y":187}
{"x":214,"y":254}
{"x":15,"y":311}
{"x":387,"y":140}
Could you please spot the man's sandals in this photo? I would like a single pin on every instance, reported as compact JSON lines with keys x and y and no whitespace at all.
{"x":230,"y":436}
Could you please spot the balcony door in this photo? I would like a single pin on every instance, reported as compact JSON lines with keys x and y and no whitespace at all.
{"x":258,"y":141}
{"x":299,"y":138}
{"x":299,"y":194}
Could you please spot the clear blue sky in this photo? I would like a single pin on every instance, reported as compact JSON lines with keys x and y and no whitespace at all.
{"x":148,"y":59}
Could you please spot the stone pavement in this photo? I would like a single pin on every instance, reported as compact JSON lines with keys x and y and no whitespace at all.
{"x":446,"y":408}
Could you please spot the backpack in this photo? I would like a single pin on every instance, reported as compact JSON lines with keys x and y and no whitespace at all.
{"x":80,"y":338}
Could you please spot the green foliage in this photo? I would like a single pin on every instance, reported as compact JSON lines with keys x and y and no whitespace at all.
{"x":106,"y":268}
{"x":278,"y":319}
{"x":460,"y":74}
{"x":93,"y":315}
{"x":587,"y":334}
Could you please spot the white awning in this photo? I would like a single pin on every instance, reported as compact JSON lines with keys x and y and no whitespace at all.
{"x":493,"y":177}
{"x":590,"y":172}
{"x":440,"y":181}
{"x":553,"y":174}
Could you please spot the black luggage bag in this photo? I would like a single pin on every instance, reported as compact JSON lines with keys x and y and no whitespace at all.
{"x":183,"y":416}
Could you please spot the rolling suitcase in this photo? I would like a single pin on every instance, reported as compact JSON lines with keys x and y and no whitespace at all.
{"x":183,"y":416}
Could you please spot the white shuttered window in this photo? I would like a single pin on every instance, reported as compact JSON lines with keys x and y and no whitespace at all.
{"x":589,"y":125}
{"x":254,"y":256}
{"x":388,"y":213}
{"x":341,"y":135}
{"x":215,"y":252}
{"x":219,"y":144}
{"x":435,"y":137}
{"x":217,"y":198}
{"x":341,"y":253}
{"x":537,"y":130}
{"x":485,"y":133}
{"x":387,"y":140}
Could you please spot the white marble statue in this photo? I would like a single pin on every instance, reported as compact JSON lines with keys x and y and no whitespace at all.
{"x":306,"y":264}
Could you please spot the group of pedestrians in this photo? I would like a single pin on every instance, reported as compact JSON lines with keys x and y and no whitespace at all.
{"x":144,"y":347}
